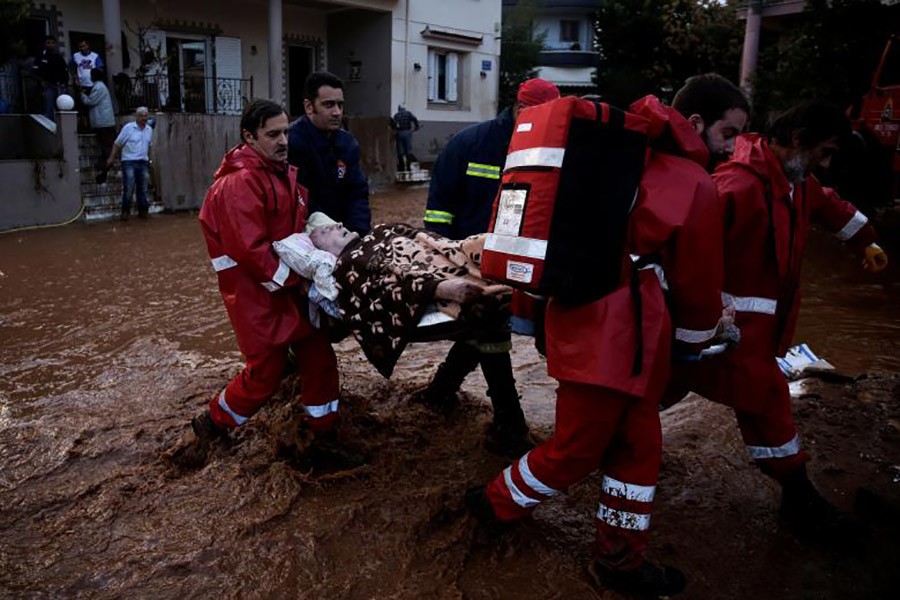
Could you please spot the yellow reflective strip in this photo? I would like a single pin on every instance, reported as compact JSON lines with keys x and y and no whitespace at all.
{"x":438,"y":216}
{"x":480,"y":170}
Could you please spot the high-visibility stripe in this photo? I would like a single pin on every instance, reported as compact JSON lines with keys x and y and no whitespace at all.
{"x":765,"y":306}
{"x":517,"y":495}
{"x":517,"y":246}
{"x":629,"y":491}
{"x":623,"y":519}
{"x":479,"y":170}
{"x":220,"y":263}
{"x":438,"y":216}
{"x":660,"y":274}
{"x":282,"y":273}
{"x":789,"y":449}
{"x":855,"y":223}
{"x":535,"y":157}
{"x":271,"y":286}
{"x":224,"y":406}
{"x":532,"y":481}
{"x":694,"y":336}
{"x":323,"y":410}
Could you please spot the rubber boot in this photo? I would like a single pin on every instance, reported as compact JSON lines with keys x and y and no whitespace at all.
{"x":508,"y":434}
{"x":440,"y":395}
{"x":804,"y":510}
{"x":647,"y":580}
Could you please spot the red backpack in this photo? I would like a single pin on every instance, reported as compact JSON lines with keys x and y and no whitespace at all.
{"x":560,"y":217}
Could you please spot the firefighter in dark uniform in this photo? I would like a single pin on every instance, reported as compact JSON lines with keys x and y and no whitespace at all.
{"x":464,"y":182}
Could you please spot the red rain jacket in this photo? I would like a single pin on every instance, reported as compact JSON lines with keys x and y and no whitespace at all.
{"x":251,"y":203}
{"x":677,"y":219}
{"x":765,"y":232}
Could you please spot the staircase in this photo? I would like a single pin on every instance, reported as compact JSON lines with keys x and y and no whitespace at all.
{"x":104,"y":200}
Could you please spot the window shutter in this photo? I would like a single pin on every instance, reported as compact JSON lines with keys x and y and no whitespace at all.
{"x":432,"y":76}
{"x":228,"y":57}
{"x":452,"y":68}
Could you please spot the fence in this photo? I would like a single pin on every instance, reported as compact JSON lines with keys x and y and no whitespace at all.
{"x":184,"y":94}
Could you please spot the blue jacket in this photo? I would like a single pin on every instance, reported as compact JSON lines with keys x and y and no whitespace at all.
{"x":328,"y":166}
{"x":466,"y":176}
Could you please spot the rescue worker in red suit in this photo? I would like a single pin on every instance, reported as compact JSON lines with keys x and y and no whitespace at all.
{"x":255,"y":200}
{"x":769,"y":199}
{"x":606,"y":416}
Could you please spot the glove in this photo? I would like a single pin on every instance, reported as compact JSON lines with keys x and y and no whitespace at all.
{"x":874,"y":259}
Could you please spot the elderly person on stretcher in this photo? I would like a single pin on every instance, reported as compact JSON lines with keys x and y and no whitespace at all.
{"x":393,"y":278}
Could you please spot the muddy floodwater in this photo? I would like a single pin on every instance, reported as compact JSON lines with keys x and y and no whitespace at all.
{"x":112,"y":335}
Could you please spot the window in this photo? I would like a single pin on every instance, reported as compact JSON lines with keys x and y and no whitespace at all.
{"x":569,"y":31}
{"x":443,"y":76}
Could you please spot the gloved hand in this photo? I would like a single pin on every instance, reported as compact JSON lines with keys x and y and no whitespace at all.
{"x":875,"y":259}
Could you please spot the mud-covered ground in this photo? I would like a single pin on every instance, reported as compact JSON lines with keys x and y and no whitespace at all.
{"x":113,"y":336}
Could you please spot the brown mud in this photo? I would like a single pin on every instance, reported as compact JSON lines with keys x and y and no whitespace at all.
{"x":113,"y":336}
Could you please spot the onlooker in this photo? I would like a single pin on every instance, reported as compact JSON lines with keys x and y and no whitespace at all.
{"x":404,"y":123}
{"x":464,"y":182}
{"x":327,"y":156}
{"x":81,"y":64}
{"x":101,"y":117}
{"x":134,"y":142}
{"x":254,"y":201}
{"x":51,"y":68}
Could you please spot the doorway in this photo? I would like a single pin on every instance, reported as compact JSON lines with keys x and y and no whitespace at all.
{"x":190,"y":85}
{"x":300,"y":65}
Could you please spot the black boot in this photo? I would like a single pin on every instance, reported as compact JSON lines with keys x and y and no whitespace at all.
{"x":440,"y":395}
{"x":646,"y":580}
{"x":810,"y":515}
{"x":480,"y":507}
{"x":204,"y":427}
{"x":508,"y":434}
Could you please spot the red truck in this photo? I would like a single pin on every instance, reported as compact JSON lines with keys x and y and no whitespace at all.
{"x":877,"y":123}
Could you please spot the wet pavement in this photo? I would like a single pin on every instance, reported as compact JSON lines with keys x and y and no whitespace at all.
{"x":114,"y":335}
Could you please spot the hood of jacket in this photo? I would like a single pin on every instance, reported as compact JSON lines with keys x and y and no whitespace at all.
{"x":751,"y":151}
{"x":669,"y":131}
{"x":243,"y":156}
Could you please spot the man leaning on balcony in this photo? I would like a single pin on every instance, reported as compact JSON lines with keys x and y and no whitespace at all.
{"x":133,"y":144}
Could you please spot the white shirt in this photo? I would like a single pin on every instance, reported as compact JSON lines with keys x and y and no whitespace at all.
{"x":135,"y":142}
{"x":84,"y":63}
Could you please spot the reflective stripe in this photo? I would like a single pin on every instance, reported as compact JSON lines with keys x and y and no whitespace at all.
{"x":752,"y":304}
{"x":660,"y":274}
{"x":694,"y":336}
{"x":517,"y":495}
{"x":622,"y":519}
{"x":629,"y":491}
{"x":323,"y":410}
{"x":438,"y":216}
{"x":220,"y":263}
{"x":855,"y":223}
{"x":761,"y":452}
{"x":532,"y":481}
{"x":282,"y":273}
{"x":271,"y":286}
{"x":517,"y":246}
{"x":535,"y":157}
{"x":224,"y":406}
{"x":479,"y":170}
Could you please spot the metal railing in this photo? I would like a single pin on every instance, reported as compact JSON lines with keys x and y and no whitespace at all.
{"x":185,"y":94}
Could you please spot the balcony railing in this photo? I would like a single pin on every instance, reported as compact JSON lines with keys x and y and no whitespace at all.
{"x":187,"y":94}
{"x":21,"y":91}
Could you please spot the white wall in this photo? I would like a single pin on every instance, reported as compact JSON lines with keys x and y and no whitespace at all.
{"x":549,"y":23}
{"x":468,"y":17}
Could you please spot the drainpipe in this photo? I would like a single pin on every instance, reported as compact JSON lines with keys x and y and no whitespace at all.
{"x":276,"y":63}
{"x":751,"y":43}
{"x":112,"y":29}
{"x":405,"y":59}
